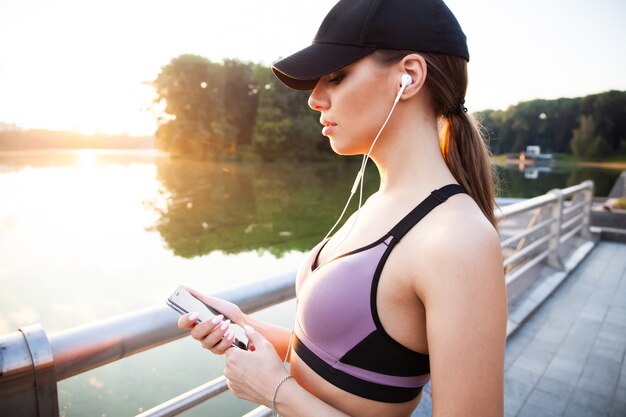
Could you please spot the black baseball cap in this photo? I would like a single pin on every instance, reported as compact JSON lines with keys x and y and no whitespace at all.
{"x":355,"y":28}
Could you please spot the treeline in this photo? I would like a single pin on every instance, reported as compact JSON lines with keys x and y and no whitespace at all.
{"x":46,"y":139}
{"x":591,"y":127}
{"x":230,"y":109}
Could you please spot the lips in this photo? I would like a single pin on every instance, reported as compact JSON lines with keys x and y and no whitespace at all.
{"x":328,"y":126}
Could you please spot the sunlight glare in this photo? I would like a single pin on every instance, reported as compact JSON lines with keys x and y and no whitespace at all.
{"x":87,"y":158}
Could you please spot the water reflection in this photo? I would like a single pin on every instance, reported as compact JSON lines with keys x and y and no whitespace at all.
{"x":233,"y":208}
{"x":532,"y":173}
{"x":531,"y":181}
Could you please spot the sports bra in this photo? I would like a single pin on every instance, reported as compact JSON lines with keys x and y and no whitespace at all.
{"x":337,"y":331}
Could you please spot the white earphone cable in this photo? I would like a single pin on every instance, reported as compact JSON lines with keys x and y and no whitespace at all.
{"x":358,"y":183}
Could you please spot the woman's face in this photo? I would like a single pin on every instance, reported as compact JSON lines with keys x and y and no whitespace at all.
{"x":354,"y":103}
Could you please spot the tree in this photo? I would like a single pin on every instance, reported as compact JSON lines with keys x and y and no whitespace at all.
{"x":551,"y":123}
{"x":271,"y":134}
{"x":192,"y":88}
{"x":212,"y":108}
{"x":286,"y":127}
{"x":586,"y":143}
{"x":583,"y":136}
{"x":241,"y":95}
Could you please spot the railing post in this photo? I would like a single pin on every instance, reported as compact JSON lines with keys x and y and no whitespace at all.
{"x":588,"y":196}
{"x":554,"y":260}
{"x":28,"y":385}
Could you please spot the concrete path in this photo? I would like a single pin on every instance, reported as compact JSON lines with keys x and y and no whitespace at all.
{"x":567,"y":359}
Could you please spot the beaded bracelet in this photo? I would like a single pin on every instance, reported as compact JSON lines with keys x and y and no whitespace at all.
{"x":276,"y":393}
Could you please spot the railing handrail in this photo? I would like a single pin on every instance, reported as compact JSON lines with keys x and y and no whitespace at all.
{"x":542,"y":200}
{"x":86,"y":347}
{"x":523,"y":206}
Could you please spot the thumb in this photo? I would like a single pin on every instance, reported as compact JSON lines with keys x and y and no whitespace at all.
{"x":253,"y":336}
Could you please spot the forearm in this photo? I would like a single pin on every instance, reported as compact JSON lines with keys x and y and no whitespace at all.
{"x":294,"y":401}
{"x":278,"y":336}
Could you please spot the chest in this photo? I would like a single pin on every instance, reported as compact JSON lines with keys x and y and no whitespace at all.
{"x":345,"y":300}
{"x":336,"y":302}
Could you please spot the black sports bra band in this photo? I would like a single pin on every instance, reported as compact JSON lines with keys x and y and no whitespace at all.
{"x":433,"y":200}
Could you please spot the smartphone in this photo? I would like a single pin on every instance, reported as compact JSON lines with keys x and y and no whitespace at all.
{"x":183,"y":302}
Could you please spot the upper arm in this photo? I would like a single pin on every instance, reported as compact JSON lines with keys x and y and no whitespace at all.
{"x":464,"y":294}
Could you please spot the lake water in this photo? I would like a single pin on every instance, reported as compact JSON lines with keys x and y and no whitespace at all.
{"x":531,"y":181}
{"x":88,"y":234}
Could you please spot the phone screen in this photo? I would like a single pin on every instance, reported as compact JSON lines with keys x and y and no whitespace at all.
{"x":183,"y":302}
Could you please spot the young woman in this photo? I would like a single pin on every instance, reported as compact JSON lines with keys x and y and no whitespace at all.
{"x":411,"y":287}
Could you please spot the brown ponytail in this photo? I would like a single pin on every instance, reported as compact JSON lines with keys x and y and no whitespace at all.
{"x":462,"y":143}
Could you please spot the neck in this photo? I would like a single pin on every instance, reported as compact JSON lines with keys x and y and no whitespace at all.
{"x":408,"y":156}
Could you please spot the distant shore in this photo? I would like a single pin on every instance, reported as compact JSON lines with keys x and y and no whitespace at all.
{"x":618,"y":162}
{"x":607,"y":165}
{"x":11,"y":140}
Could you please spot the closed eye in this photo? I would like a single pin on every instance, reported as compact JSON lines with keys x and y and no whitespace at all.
{"x":337,"y":79}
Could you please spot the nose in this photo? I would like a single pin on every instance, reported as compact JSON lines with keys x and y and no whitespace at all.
{"x":318,"y":100}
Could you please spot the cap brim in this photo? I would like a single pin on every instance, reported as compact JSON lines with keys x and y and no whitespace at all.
{"x":302,"y":70}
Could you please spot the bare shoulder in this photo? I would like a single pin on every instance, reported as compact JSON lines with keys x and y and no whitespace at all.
{"x":454,"y":246}
{"x":461,"y":229}
{"x":456,"y":271}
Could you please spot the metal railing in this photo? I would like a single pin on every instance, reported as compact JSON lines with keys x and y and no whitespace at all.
{"x":552,"y":220}
{"x":31,"y":363}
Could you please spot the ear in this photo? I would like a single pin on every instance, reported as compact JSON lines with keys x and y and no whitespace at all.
{"x":415,"y":66}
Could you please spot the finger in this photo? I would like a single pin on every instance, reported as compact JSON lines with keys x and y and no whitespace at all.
{"x":224,"y":345}
{"x":255,"y":338}
{"x":215,"y":302}
{"x":188,"y":321}
{"x":212,"y":339}
{"x":202,"y":330}
{"x":193,"y":292}
{"x":212,"y":301}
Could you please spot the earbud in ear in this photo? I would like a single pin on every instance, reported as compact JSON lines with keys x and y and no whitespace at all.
{"x":405,"y":80}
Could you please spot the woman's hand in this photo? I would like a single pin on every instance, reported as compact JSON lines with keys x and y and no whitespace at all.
{"x":253,"y":374}
{"x":229,"y":310}
{"x":212,"y":334}
{"x":215,"y":334}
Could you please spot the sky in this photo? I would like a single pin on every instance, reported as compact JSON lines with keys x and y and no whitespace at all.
{"x":83,"y":65}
